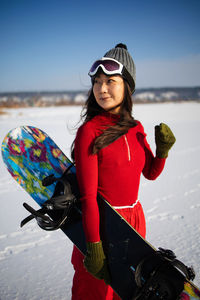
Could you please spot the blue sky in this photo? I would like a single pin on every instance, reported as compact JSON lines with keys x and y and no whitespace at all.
{"x":50,"y":45}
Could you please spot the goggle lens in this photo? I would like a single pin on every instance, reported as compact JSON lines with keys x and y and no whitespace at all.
{"x":109,"y":67}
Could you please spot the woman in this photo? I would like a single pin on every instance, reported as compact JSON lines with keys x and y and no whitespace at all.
{"x":111,"y":152}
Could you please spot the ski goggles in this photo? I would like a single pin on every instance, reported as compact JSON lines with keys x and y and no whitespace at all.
{"x":110,"y":66}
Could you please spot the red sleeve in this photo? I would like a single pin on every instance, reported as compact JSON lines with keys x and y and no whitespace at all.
{"x":87,"y":176}
{"x":153,"y":165}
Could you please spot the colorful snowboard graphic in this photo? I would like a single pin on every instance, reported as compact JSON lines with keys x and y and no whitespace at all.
{"x":30,"y":155}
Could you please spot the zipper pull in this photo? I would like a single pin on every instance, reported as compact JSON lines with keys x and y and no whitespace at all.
{"x":128,"y":148}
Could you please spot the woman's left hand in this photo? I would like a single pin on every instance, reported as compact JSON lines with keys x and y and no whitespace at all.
{"x":164,"y":139}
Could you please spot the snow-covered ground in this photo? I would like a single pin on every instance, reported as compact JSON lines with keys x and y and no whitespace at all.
{"x":35,"y":264}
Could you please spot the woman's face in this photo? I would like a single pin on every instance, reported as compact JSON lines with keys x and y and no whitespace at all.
{"x":109,"y":92}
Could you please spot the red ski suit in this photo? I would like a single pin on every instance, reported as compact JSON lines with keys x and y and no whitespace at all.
{"x":115,"y":173}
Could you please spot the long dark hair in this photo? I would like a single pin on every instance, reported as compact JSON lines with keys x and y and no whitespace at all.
{"x":112,"y":133}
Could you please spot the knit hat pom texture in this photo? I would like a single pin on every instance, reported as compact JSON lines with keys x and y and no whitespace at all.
{"x":121,"y":54}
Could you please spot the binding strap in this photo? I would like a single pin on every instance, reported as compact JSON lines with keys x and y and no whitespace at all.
{"x":43,"y":220}
{"x":161,"y":276}
{"x":55,"y":211}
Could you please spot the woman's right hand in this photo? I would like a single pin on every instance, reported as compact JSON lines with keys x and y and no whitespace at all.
{"x":95,"y":261}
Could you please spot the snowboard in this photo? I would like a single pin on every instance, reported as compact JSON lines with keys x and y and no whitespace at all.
{"x":138,"y":270}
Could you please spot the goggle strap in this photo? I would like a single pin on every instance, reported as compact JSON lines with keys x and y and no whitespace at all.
{"x":127,"y":76}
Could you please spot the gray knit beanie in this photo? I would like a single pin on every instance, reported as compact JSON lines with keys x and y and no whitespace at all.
{"x":121,"y":54}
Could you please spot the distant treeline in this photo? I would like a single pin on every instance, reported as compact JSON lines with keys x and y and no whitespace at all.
{"x":57,"y":98}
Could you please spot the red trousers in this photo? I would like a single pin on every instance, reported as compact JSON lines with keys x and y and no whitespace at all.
{"x":87,"y":287}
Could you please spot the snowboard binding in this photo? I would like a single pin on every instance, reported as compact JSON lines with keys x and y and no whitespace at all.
{"x":55,"y":211}
{"x":163,"y":282}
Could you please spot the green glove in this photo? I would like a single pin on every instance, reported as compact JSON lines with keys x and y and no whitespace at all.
{"x":164,"y":140}
{"x":95,"y":261}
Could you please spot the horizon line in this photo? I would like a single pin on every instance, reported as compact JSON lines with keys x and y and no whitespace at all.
{"x":86,"y":90}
